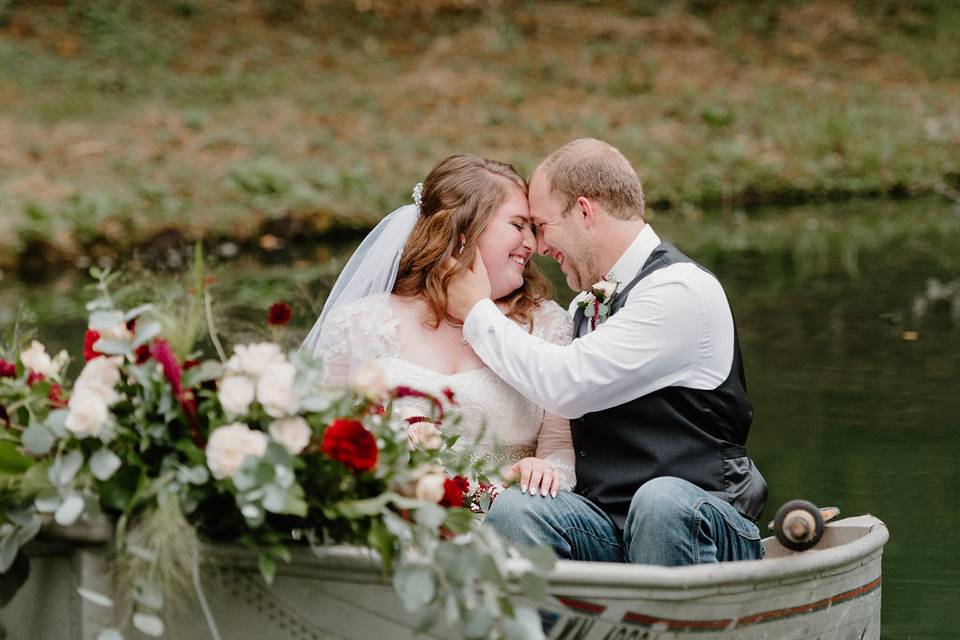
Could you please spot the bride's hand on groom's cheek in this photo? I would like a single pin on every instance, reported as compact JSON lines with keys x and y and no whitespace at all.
{"x":468,"y":287}
{"x":535,"y":476}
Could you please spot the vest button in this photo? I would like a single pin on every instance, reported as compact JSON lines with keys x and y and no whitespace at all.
{"x":582,"y":453}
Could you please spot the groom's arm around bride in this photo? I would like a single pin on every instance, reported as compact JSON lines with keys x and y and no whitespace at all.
{"x":653,"y":383}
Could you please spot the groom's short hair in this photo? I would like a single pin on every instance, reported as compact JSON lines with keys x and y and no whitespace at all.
{"x":596,"y":170}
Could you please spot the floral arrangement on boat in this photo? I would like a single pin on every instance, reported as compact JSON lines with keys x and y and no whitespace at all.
{"x":177,"y":450}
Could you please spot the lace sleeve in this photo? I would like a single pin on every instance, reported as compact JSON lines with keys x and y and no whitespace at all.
{"x":353,"y":335}
{"x":555,"y":444}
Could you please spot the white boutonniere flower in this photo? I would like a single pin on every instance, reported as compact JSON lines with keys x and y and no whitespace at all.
{"x":596,"y":302}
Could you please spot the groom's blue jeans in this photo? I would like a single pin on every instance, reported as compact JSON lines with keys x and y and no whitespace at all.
{"x":670,"y":522}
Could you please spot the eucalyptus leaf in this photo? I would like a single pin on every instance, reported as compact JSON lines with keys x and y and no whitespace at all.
{"x":268,"y":568}
{"x":138,"y":311}
{"x":416,"y":585}
{"x":208,"y":370}
{"x":95,"y":597}
{"x":542,"y":557}
{"x":109,"y":634}
{"x":148,"y":623}
{"x":104,"y":463}
{"x":69,"y":511}
{"x":113,"y":347}
{"x":274,"y":499}
{"x":360,"y":508}
{"x":56,"y":421}
{"x":68,"y":467}
{"x":8,"y":551}
{"x":146,"y":333}
{"x":47,"y":502}
{"x":27,"y":532}
{"x":426,"y":618}
{"x":431,"y":515}
{"x":37,"y":439}
{"x":478,"y":623}
{"x":103,"y":320}
{"x":148,"y":594}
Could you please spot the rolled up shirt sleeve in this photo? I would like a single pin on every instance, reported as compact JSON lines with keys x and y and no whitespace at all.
{"x":654,"y":341}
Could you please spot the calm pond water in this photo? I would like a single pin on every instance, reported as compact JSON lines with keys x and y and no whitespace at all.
{"x":849,"y":317}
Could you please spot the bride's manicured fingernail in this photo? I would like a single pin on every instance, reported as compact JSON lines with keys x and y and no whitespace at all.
{"x":543,"y":492}
{"x":553,"y":494}
{"x":523,"y":488}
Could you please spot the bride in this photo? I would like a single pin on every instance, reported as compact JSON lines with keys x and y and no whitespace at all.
{"x":389,"y":306}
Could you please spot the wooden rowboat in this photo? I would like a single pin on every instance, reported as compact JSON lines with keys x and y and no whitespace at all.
{"x":829,"y":592}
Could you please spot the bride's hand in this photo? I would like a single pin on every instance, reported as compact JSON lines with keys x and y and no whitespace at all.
{"x":535,"y":476}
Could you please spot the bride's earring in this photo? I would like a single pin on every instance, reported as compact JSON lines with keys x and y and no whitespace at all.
{"x":463,"y":245}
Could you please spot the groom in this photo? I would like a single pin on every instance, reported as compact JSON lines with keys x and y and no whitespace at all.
{"x":653,"y":382}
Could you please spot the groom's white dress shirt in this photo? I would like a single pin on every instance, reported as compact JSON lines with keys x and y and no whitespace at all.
{"x":675,"y":329}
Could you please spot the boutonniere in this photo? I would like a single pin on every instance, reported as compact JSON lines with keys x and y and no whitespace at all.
{"x":596,"y":302}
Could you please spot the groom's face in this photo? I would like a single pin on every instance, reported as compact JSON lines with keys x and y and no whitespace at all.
{"x":562,"y":237}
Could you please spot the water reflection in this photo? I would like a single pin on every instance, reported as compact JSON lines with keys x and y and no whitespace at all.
{"x":849,"y":327}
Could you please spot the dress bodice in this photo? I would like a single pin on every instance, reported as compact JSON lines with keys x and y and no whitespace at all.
{"x":497,"y":423}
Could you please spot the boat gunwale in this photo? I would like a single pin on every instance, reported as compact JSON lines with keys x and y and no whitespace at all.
{"x":622,"y":576}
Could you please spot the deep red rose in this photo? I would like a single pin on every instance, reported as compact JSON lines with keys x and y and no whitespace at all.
{"x":33,"y":378}
{"x":279,"y":314}
{"x":142,"y":354}
{"x":347,"y":441}
{"x":89,"y":339}
{"x":56,"y":397}
{"x":7,"y":369}
{"x":453,"y":491}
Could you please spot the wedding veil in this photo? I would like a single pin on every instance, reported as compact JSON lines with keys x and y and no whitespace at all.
{"x":372,"y":268}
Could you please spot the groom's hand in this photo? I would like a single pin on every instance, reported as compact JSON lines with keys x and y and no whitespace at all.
{"x":467,"y":288}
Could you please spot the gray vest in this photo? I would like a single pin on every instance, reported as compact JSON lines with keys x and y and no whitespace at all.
{"x":698,"y":435}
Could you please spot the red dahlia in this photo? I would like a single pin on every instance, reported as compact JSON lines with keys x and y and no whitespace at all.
{"x":7,"y":369}
{"x":347,"y":441}
{"x":279,"y":314}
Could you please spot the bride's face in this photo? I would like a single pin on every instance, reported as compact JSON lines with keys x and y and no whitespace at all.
{"x":507,"y":244}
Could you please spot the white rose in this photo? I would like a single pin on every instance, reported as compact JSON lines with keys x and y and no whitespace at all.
{"x":254,"y":359}
{"x":605,"y":289}
{"x":230,"y":445}
{"x":293,"y":433}
{"x":235,"y":394}
{"x":87,"y":413}
{"x":275,"y":391}
{"x":100,"y":376}
{"x":424,"y":435}
{"x":38,"y":360}
{"x":430,"y":487}
{"x":370,"y":381}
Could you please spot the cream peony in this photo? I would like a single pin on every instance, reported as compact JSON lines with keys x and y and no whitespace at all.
{"x":424,"y":435}
{"x":275,"y":391}
{"x":254,"y":359}
{"x":293,"y":433}
{"x":88,"y":413}
{"x":605,"y":288}
{"x":430,"y":486}
{"x":100,"y":376}
{"x":36,"y":359}
{"x":235,"y":394}
{"x":369,"y":380}
{"x":229,"y":446}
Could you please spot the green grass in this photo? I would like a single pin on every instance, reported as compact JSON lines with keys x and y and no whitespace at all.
{"x":124,"y":121}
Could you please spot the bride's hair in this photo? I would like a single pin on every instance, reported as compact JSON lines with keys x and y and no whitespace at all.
{"x":460,"y":196}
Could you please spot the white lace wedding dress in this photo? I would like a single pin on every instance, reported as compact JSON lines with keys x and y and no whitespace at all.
{"x":512,"y":427}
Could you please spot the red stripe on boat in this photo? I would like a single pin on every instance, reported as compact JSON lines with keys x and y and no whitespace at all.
{"x":756,"y":618}
{"x":676,"y":625}
{"x":581,"y":605}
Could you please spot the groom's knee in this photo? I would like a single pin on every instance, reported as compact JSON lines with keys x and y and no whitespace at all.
{"x":513,"y":513}
{"x":663,"y":502}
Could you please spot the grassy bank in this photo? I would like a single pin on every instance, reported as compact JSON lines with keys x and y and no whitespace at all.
{"x":271,"y":121}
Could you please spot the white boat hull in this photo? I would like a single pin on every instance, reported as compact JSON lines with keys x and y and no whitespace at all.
{"x":831,"y":592}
